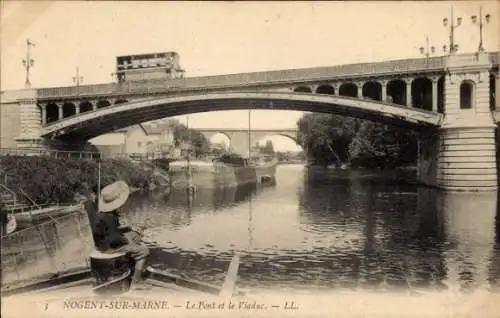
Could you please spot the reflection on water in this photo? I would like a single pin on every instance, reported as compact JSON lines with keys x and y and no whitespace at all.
{"x":328,"y":229}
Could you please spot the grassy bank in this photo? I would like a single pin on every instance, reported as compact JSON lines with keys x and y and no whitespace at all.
{"x":52,"y":180}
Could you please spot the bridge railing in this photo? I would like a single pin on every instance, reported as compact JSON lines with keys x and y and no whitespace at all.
{"x":247,"y":79}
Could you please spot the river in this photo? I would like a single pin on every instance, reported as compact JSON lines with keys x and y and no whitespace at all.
{"x":327,"y":229}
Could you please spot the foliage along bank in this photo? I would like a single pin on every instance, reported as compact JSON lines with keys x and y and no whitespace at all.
{"x":183,"y":134}
{"x":335,"y":139}
{"x":48,"y":179}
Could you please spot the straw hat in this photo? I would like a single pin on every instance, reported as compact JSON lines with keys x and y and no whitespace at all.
{"x":113,"y":196}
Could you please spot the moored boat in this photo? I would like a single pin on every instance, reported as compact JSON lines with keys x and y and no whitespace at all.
{"x":38,"y":214}
{"x":229,"y":170}
{"x":111,"y":274}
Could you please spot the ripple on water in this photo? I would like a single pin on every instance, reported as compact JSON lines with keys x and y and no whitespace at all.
{"x":327,"y":231}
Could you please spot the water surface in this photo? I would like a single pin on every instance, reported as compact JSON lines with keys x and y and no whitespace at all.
{"x":327,"y":229}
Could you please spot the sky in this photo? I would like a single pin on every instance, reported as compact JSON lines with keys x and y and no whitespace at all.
{"x":226,"y":37}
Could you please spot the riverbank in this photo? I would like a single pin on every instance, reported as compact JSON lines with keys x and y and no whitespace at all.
{"x":49,"y":180}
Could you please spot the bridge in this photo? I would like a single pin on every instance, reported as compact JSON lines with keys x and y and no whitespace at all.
{"x":450,"y":98}
{"x":239,"y":139}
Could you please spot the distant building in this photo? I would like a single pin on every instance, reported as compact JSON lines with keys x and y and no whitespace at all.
{"x":149,"y":138}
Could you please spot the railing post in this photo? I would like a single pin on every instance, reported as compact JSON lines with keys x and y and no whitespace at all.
{"x":383,"y":83}
{"x":434,"y":94}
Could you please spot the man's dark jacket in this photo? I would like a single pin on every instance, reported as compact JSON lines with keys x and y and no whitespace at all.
{"x":107,"y":235}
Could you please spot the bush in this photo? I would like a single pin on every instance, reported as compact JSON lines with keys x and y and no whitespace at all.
{"x":52,"y":180}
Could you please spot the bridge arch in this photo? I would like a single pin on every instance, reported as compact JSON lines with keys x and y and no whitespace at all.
{"x":373,"y":90}
{"x":91,"y":124}
{"x":396,"y":91}
{"x":348,"y":89}
{"x":120,"y":101}
{"x":69,"y":109}
{"x":103,"y":103}
{"x":421,"y":91}
{"x":325,"y":89}
{"x":303,"y":89}
{"x":86,"y":106}
{"x":282,"y":142}
{"x":52,"y":111}
{"x":292,"y":137}
{"x":211,"y":136}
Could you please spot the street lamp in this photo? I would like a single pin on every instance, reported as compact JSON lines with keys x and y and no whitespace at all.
{"x":77,"y":79}
{"x":452,"y":47}
{"x":425,"y":51}
{"x":28,"y":62}
{"x":481,"y":23}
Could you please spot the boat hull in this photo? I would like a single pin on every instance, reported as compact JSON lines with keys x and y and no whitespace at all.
{"x":27,"y":218}
{"x":219,"y":175}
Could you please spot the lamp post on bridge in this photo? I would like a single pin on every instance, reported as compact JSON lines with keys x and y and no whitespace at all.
{"x":427,"y":51}
{"x":452,"y":46}
{"x":481,"y":24}
{"x":28,"y":62}
{"x":77,"y":79}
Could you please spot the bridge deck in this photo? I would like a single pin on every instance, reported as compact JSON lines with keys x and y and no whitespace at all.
{"x":251,"y":79}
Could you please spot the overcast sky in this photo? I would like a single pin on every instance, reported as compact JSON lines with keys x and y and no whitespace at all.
{"x":225,"y":37}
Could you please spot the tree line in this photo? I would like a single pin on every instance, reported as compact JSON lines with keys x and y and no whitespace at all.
{"x":185,"y":135}
{"x":334,"y":139}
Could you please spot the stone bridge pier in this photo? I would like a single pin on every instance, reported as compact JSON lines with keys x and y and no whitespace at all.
{"x":20,"y":121}
{"x":461,"y":154}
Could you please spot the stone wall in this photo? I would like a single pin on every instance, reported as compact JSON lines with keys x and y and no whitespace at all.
{"x":460,"y":159}
{"x":497,"y":141}
{"x":9,"y":121}
{"x":467,"y":159}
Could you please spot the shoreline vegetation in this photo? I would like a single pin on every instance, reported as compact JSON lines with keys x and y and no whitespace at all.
{"x":335,"y":140}
{"x":50,"y":180}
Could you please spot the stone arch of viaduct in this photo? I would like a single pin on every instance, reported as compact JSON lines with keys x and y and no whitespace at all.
{"x":238,"y":138}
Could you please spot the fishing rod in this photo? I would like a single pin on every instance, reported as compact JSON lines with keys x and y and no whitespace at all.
{"x":98,"y":194}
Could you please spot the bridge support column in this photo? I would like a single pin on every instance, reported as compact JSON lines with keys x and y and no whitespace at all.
{"x":30,"y":122}
{"x":461,"y":154}
{"x":459,"y":159}
{"x":467,"y":159}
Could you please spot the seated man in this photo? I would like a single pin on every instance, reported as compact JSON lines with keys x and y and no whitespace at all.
{"x":108,"y":237}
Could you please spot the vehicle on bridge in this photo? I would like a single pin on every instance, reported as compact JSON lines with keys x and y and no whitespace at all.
{"x":165,"y":65}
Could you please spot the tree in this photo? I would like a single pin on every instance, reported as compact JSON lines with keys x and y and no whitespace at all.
{"x":182,"y":134}
{"x":326,"y":137}
{"x":330,"y":139}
